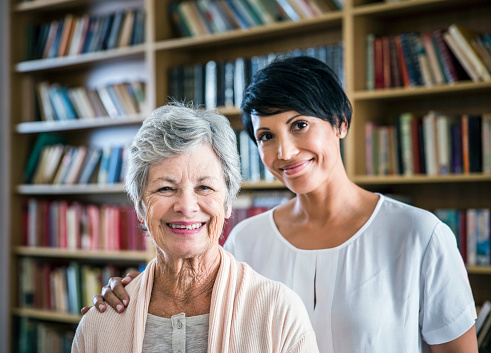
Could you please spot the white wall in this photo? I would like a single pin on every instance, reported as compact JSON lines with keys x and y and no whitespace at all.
{"x":4,"y":177}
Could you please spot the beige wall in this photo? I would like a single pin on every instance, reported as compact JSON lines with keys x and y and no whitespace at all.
{"x":4,"y":175}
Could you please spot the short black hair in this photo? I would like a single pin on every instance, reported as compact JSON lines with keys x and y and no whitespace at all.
{"x":302,"y":84}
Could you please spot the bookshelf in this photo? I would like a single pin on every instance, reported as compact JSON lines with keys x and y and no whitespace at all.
{"x":151,"y":61}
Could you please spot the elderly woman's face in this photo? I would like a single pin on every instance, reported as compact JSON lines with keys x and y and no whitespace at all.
{"x":185,"y":197}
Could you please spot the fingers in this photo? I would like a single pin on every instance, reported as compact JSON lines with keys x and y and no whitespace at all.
{"x":115,"y":295}
{"x":129,"y":277}
{"x":98,"y":302}
{"x":85,"y":309}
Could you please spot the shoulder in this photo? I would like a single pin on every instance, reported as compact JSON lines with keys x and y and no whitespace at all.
{"x":250,"y":229}
{"x":395,"y":214}
{"x":254,"y":222}
{"x":94,"y":321}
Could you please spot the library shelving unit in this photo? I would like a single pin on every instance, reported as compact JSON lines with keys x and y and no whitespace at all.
{"x":162,"y":49}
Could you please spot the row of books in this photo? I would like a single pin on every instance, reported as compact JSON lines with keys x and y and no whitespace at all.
{"x":433,"y":144}
{"x":64,"y":288}
{"x":59,"y":102}
{"x":195,"y":18}
{"x":74,"y":225}
{"x":60,"y":164}
{"x":74,"y":35}
{"x":34,"y":336}
{"x":426,"y":59}
{"x":250,"y":204}
{"x":483,"y":327}
{"x":472,"y":229}
{"x":221,"y":83}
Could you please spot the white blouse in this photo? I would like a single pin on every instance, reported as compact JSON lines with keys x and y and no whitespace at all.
{"x":396,"y":285}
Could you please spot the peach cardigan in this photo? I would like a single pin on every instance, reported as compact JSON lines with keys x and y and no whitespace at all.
{"x":248,"y":313}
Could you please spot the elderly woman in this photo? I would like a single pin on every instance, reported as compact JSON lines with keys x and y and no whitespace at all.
{"x":183,"y":173}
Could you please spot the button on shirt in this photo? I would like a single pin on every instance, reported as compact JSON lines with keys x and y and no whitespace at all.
{"x":179,"y":334}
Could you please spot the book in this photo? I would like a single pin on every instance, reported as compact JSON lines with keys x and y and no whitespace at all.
{"x":126,"y":29}
{"x":44,"y":139}
{"x":114,"y":165}
{"x":114,"y":34}
{"x":486,"y":143}
{"x":471,"y":143}
{"x":66,"y":35}
{"x":435,"y":67}
{"x":370,"y":79}
{"x":452,"y":69}
{"x":443,"y":143}
{"x":403,"y":123}
{"x":211,"y":84}
{"x":102,"y":176}
{"x":483,"y":250}
{"x":461,"y":56}
{"x":430,"y":145}
{"x":464,"y":38}
{"x":75,"y":168}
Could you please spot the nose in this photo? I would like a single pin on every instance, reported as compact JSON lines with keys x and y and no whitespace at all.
{"x":286,"y":149}
{"x":186,"y":202}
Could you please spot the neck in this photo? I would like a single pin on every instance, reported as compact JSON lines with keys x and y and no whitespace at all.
{"x":185,"y":281}
{"x":334,"y":200}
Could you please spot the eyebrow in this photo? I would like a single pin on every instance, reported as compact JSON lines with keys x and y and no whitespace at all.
{"x":287,"y":122}
{"x":173,"y":181}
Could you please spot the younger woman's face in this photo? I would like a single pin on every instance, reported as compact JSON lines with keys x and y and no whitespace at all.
{"x":301,"y":151}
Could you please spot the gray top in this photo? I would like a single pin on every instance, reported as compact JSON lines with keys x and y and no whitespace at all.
{"x":179,"y":334}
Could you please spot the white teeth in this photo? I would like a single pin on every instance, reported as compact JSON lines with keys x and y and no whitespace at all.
{"x":188,"y":227}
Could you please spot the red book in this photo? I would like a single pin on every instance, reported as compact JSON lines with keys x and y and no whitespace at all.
{"x":465,"y":143}
{"x":463,"y":234}
{"x":402,"y":62}
{"x":63,"y":241}
{"x":123,"y":228}
{"x":46,"y":292}
{"x":378,"y":62}
{"x":416,"y":145}
{"x":94,"y":226}
{"x":386,"y":62}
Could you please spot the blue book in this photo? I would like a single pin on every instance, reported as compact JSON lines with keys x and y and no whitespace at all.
{"x":114,"y":166}
{"x":112,"y":41}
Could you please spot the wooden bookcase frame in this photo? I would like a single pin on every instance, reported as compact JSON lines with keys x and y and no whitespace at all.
{"x":162,"y":50}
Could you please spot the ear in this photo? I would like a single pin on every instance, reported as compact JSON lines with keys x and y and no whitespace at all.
{"x":342,"y":130}
{"x":228,"y":212}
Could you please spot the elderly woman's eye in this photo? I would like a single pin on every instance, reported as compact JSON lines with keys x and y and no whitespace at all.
{"x":165,"y":188}
{"x":204,"y":187}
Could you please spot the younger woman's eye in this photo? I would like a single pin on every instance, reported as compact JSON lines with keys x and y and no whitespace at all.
{"x":299,"y":125}
{"x":264,"y":137}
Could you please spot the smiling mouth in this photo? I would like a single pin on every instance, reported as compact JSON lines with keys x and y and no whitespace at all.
{"x":295,"y":167}
{"x":185,"y":227}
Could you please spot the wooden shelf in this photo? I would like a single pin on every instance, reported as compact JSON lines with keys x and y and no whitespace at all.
{"x":47,"y":315}
{"x":88,"y":58}
{"x":408,"y":7}
{"x":456,"y":88}
{"x":328,"y":20}
{"x":483,"y":270}
{"x":262,"y":185}
{"x":78,"y":124}
{"x":113,"y":188}
{"x":123,"y":255}
{"x":420,"y":179}
{"x":70,"y":189}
